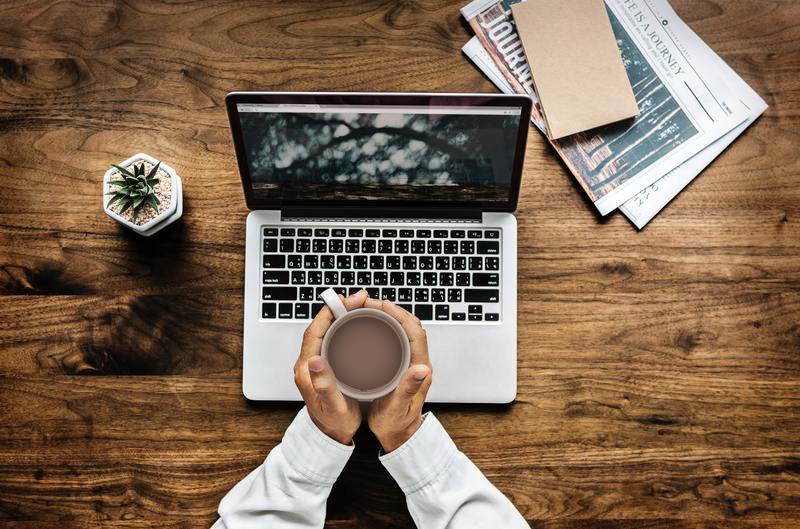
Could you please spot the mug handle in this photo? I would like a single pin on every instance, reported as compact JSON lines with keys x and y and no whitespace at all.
{"x":331,"y":299}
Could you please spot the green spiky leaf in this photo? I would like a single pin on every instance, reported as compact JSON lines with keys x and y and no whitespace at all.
{"x":136,"y":189}
{"x":122,"y":170}
{"x":153,"y":171}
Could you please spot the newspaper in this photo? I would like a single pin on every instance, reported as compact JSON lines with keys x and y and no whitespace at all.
{"x":681,"y":112}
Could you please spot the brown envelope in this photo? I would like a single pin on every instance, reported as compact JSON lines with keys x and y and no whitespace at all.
{"x":576,"y":65}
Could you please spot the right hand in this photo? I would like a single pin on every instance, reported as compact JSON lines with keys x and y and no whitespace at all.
{"x":395,"y":417}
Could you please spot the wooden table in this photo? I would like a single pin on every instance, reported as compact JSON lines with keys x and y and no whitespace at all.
{"x":659,"y":374}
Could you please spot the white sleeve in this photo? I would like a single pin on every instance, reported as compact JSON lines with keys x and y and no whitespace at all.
{"x":444,"y":489}
{"x":291,"y":488}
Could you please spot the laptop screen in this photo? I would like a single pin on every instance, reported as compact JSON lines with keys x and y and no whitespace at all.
{"x":454,"y":152}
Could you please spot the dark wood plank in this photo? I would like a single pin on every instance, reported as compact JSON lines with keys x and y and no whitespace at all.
{"x":659,"y":382}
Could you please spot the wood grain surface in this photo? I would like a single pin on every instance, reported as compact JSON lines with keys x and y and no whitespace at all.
{"x":659,"y":371}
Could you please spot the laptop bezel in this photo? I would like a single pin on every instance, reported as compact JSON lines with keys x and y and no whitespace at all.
{"x":373,"y":98}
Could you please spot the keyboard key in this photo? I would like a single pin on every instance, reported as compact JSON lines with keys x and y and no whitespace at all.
{"x":351,"y":245}
{"x":493,"y":263}
{"x":274,"y":261}
{"x":457,"y":234}
{"x":412,"y":279}
{"x":335,"y":246}
{"x":489,"y":247}
{"x":315,"y":308}
{"x":303,"y":245}
{"x":476,"y":263}
{"x":424,"y":234}
{"x":301,"y":310}
{"x":401,"y":246}
{"x":380,"y":278}
{"x":319,"y":246}
{"x":406,"y":307}
{"x":486,"y":280}
{"x":437,"y":295}
{"x":409,"y":262}
{"x":373,"y":233}
{"x":397,"y":278}
{"x":454,"y":295}
{"x":474,"y":234}
{"x":284,"y":311}
{"x":421,"y":294}
{"x":322,"y":232}
{"x":355,"y":233}
{"x":467,"y":247}
{"x":311,"y":261}
{"x":481,"y":295}
{"x":353,"y":290}
{"x":442,"y":262}
{"x":364,"y":278}
{"x":389,"y":293}
{"x":442,"y":312}
{"x":360,"y":262}
{"x":340,"y":290}
{"x":273,"y":277}
{"x":446,"y":279}
{"x":376,"y":262}
{"x":458,"y":316}
{"x":390,"y":233}
{"x":429,"y":279}
{"x":327,"y":262}
{"x":475,"y":309}
{"x":425,"y":262}
{"x":295,"y":261}
{"x":299,"y":277}
{"x":475,"y":317}
{"x":348,"y":278}
{"x":304,"y":232}
{"x":406,"y":234}
{"x":393,"y":262}
{"x":315,"y":278}
{"x":462,"y":280}
{"x":287,"y":245}
{"x":459,"y":263}
{"x":423,"y":312}
{"x":417,"y":246}
{"x":491,"y":234}
{"x":287,"y":232}
{"x":492,"y":316}
{"x":339,"y":232}
{"x":440,"y":234}
{"x":374,"y":293}
{"x":450,"y":247}
{"x":343,"y":261}
{"x":318,"y":292}
{"x":384,"y":246}
{"x":404,"y":294}
{"x":268,"y":310}
{"x":270,"y":245}
{"x":306,"y":294}
{"x":434,"y":247}
{"x":331,"y":278}
{"x":270,"y":232}
{"x":368,"y":246}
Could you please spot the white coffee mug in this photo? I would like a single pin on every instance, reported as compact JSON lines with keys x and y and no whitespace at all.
{"x":342,"y":315}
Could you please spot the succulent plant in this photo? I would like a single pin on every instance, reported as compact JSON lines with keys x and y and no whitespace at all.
{"x":135,"y":190}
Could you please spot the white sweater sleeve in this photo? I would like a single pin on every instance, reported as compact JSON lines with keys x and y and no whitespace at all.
{"x":290,"y":489}
{"x":443,"y":488}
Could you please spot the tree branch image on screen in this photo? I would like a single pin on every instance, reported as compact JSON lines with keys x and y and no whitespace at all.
{"x":394,"y":153}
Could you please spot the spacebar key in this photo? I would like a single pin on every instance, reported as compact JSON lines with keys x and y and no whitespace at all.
{"x":481,"y":295}
{"x":279,"y":293}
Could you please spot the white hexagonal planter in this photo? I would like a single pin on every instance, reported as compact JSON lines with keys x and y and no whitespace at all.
{"x":163,"y":219}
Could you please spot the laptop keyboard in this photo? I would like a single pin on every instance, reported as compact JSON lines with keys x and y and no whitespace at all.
{"x":450,"y":275}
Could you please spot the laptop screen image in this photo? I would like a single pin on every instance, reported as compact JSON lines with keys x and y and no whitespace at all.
{"x":381,"y":153}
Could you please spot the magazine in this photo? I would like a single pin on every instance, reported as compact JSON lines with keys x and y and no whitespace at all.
{"x":680,"y":112}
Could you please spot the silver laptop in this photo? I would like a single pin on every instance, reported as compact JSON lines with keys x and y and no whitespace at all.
{"x":410,"y":196}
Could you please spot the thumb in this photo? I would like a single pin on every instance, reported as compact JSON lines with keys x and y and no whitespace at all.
{"x":324,"y":384}
{"x":411,"y":383}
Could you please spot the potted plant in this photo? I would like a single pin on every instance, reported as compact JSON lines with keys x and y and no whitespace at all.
{"x":143,"y":194}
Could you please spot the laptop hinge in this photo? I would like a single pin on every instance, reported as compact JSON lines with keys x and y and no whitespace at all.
{"x":368,"y":214}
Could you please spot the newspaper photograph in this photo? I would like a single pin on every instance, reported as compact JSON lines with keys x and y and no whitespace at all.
{"x":679,"y":114}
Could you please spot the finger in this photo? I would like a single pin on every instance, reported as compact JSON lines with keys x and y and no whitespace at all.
{"x":355,"y":301}
{"x":373,"y":303}
{"x":324,"y":384}
{"x":411,"y":385}
{"x":416,"y":334}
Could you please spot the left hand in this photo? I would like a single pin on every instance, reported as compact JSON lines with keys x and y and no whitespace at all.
{"x":335,"y":415}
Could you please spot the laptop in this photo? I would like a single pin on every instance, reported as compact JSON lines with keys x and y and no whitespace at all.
{"x":407,"y":195}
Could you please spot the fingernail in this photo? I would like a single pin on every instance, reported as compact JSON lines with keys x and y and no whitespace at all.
{"x":419,"y":376}
{"x":316,"y":364}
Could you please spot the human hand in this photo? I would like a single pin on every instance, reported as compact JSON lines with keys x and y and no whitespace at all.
{"x":395,"y":417}
{"x":335,"y":415}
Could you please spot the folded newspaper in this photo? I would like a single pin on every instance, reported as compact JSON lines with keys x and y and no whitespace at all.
{"x":692,"y":105}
